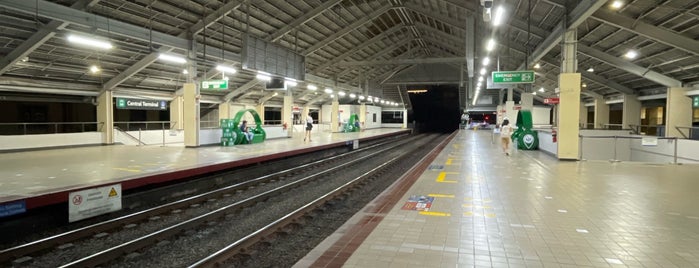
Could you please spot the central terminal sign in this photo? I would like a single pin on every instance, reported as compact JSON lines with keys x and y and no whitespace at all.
{"x":513,"y":77}
{"x":140,"y":104}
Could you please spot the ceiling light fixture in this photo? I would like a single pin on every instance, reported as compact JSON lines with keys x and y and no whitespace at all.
{"x":264,"y":76}
{"x":361,"y":97}
{"x":328,"y":90}
{"x":631,"y":54}
{"x":290,"y":82}
{"x":352,"y":95}
{"x":81,"y":40}
{"x":541,"y":89}
{"x":589,"y":70}
{"x":499,"y":14}
{"x":537,"y":66}
{"x":482,"y":71}
{"x":94,"y":69}
{"x":480,"y":78}
{"x":490,"y":45}
{"x":341,"y":93}
{"x":185,"y":71}
{"x":311,"y":87}
{"x":226,"y":69}
{"x":617,"y":4}
{"x":172,"y":58}
{"x":584,"y":85}
{"x":486,"y":61}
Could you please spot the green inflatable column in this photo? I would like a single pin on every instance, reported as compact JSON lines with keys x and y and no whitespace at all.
{"x":527,"y":139}
{"x":259,"y":134}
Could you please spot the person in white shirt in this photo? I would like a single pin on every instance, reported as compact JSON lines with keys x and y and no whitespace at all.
{"x":505,"y":133}
{"x":309,"y":127}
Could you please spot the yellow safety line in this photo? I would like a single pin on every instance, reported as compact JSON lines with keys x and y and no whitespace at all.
{"x":433,"y":213}
{"x":476,"y":206}
{"x":126,"y":169}
{"x":448,"y":161}
{"x":442,"y":175}
{"x":441,"y":195}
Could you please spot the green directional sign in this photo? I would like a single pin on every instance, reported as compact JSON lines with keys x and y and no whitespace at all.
{"x":214,"y":84}
{"x":513,"y":77}
{"x":695,"y":101}
{"x":140,"y":104}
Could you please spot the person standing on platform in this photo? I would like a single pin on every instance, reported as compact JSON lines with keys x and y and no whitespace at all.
{"x":309,"y":127}
{"x":505,"y":133}
{"x":246,"y":131}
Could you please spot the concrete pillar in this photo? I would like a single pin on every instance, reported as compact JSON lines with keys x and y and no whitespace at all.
{"x":510,"y":94}
{"x":499,"y":114}
{"x":601,"y":113}
{"x":177,"y":113}
{"x":362,"y":114}
{"x":583,"y":115}
{"x":191,"y":115}
{"x":105,"y":116}
{"x":260,"y":109}
{"x":631,"y":111}
{"x":678,"y":111}
{"x":287,"y":112}
{"x":224,"y":110}
{"x":405,"y":118}
{"x":510,"y":112}
{"x":527,"y":101}
{"x":334,"y":116}
{"x":568,"y":115}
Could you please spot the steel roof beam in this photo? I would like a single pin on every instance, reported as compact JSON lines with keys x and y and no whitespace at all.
{"x":267,"y":97}
{"x":316,"y":99}
{"x":595,"y":78}
{"x":372,"y":41}
{"x":630,"y":67}
{"x":37,"y":39}
{"x":655,"y":33}
{"x":404,"y":61}
{"x":301,"y":20}
{"x":215,"y":16}
{"x":347,"y":29}
{"x":381,"y":53}
{"x":579,"y":14}
{"x":240,"y":90}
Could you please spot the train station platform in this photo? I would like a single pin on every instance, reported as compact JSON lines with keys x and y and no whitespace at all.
{"x":46,"y":177}
{"x":473,"y":206}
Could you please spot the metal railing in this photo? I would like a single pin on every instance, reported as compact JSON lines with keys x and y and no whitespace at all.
{"x":613,"y":126}
{"x":692,"y":132}
{"x":144,"y":125}
{"x":48,"y":128}
{"x":615,"y":139}
{"x":649,"y":130}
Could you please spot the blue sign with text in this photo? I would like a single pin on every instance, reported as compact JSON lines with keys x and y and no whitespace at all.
{"x":12,"y":208}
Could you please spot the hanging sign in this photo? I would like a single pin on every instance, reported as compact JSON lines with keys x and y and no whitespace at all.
{"x":695,"y":101}
{"x":552,"y":100}
{"x":513,"y":77}
{"x":140,"y":104}
{"x":214,"y":84}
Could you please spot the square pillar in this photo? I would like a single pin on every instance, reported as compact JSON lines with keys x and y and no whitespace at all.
{"x":288,"y":113}
{"x":362,"y":114}
{"x":335,"y":116}
{"x":583,"y":116}
{"x":510,"y":112}
{"x":631,"y":111}
{"x":105,"y":116}
{"x":224,"y":110}
{"x":678,"y":111}
{"x":601,"y":113}
{"x":177,"y":113}
{"x":568,"y":116}
{"x":260,"y":109}
{"x":191,"y":115}
{"x":527,"y":101}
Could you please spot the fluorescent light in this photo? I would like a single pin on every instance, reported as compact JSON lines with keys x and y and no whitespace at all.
{"x":275,"y":94}
{"x":480,"y":79}
{"x":486,"y":61}
{"x":341,"y":93}
{"x":383,"y":102}
{"x":584,"y":85}
{"x":328,"y":90}
{"x":537,"y":66}
{"x":94,"y":69}
{"x":533,"y":93}
{"x":361,"y":97}
{"x":490,"y":45}
{"x":172,"y":58}
{"x":482,"y":71}
{"x":290,"y":82}
{"x":81,"y":40}
{"x":376,"y":99}
{"x":617,"y":4}
{"x":185,"y":71}
{"x":311,"y":87}
{"x":499,"y":14}
{"x":264,"y":76}
{"x":541,"y":89}
{"x":631,"y":54}
{"x":352,"y":95}
{"x":332,"y":96}
{"x":226,"y":69}
{"x":589,"y":70}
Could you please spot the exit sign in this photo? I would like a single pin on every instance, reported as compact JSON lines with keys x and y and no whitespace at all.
{"x":552,"y":100}
{"x":214,"y":84}
{"x":513,"y":77}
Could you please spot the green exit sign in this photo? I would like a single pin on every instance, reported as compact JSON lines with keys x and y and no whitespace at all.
{"x":214,"y":84}
{"x":513,"y":77}
{"x":695,"y":101}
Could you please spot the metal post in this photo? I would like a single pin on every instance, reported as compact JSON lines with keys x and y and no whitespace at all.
{"x":580,"y":150}
{"x":615,"y":160}
{"x":139,"y":136}
{"x":163,"y":134}
{"x":675,"y":153}
{"x":25,"y":128}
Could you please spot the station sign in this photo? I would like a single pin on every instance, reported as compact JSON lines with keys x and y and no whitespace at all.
{"x":93,"y":202}
{"x":513,"y":77}
{"x":140,"y":104}
{"x":552,"y":100}
{"x":517,"y":107}
{"x":214,"y":84}
{"x":12,"y":208}
{"x":695,"y":101}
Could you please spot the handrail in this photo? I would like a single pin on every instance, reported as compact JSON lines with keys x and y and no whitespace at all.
{"x":129,"y":123}
{"x":55,"y":126}
{"x":130,"y":136}
{"x":615,"y":137}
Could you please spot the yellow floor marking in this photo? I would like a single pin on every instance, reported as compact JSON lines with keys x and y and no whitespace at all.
{"x":126,"y":169}
{"x":448,"y":161}
{"x":442,"y":175}
{"x":433,"y":213}
{"x":441,"y":195}
{"x":487,"y":215}
{"x":476,"y":206}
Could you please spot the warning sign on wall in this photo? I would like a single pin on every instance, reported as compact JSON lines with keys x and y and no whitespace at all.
{"x":93,"y":202}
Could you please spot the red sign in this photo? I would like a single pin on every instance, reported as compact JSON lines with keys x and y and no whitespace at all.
{"x":518,"y":107}
{"x":552,"y":100}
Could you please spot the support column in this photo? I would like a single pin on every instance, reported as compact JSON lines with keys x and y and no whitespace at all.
{"x":631,"y":111}
{"x":510,"y":112}
{"x":678,"y":111}
{"x":287,"y":113}
{"x":527,"y":101}
{"x":362,"y":114}
{"x":191,"y":115}
{"x":405,"y":118}
{"x":260,"y":109}
{"x":334,"y":116}
{"x":601,"y":113}
{"x":569,"y":116}
{"x":224,"y":110}
{"x":583,"y":115}
{"x":177,"y":113}
{"x":105,"y":115}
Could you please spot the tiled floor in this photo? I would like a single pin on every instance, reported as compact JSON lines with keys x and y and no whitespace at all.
{"x":38,"y":173}
{"x":530,"y":210}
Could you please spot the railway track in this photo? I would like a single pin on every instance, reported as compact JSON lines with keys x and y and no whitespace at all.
{"x":158,"y":226}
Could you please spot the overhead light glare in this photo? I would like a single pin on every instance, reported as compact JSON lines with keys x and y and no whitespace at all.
{"x":631,"y":54}
{"x":264,"y":76}
{"x":537,"y":66}
{"x":185,"y":71}
{"x":81,"y":40}
{"x":312,"y":87}
{"x":617,"y":4}
{"x":361,"y":97}
{"x":533,"y":93}
{"x":417,"y":90}
{"x":482,"y":71}
{"x":480,"y":79}
{"x":352,"y":95}
{"x":499,"y":14}
{"x":490,"y":45}
{"x":290,"y":82}
{"x":584,"y":85}
{"x":590,"y":70}
{"x":226,"y":69}
{"x":94,"y":69}
{"x":172,"y":58}
{"x":328,"y":90}
{"x":341,"y":93}
{"x":486,"y":61}
{"x":541,"y":89}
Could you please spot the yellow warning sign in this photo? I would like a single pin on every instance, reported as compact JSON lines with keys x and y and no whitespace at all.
{"x":112,"y":192}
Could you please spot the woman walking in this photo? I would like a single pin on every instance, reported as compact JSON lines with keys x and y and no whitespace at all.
{"x":505,"y":133}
